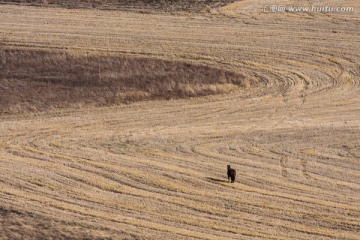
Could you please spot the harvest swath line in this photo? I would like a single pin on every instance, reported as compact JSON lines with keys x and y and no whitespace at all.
{"x":157,"y":169}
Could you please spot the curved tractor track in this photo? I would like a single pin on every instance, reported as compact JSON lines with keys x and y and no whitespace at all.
{"x":157,"y":169}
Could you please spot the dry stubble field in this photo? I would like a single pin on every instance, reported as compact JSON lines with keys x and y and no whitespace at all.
{"x":157,"y":169}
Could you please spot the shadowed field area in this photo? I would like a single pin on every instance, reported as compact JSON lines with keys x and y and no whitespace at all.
{"x":288,"y":121}
{"x":39,"y":80}
{"x":144,"y":6}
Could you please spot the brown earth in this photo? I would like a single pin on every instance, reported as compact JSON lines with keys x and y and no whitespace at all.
{"x":144,"y":6}
{"x":157,"y":169}
{"x":61,"y":80}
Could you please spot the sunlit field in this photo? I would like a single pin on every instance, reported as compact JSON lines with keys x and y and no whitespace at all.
{"x":119,"y":124}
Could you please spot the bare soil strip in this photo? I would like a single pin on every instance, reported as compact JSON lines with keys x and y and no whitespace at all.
{"x":144,"y":6}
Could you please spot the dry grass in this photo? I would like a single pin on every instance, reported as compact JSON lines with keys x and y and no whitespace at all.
{"x":62,"y":80}
{"x":157,"y":169}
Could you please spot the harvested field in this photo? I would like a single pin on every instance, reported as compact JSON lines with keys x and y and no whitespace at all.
{"x":156,"y":169}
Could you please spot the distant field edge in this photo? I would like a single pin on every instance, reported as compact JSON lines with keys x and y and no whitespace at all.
{"x":128,"y":5}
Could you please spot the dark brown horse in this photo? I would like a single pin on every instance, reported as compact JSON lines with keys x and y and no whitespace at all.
{"x":231,"y":174}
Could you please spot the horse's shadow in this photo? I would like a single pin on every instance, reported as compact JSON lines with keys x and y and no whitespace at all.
{"x":217,"y":180}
